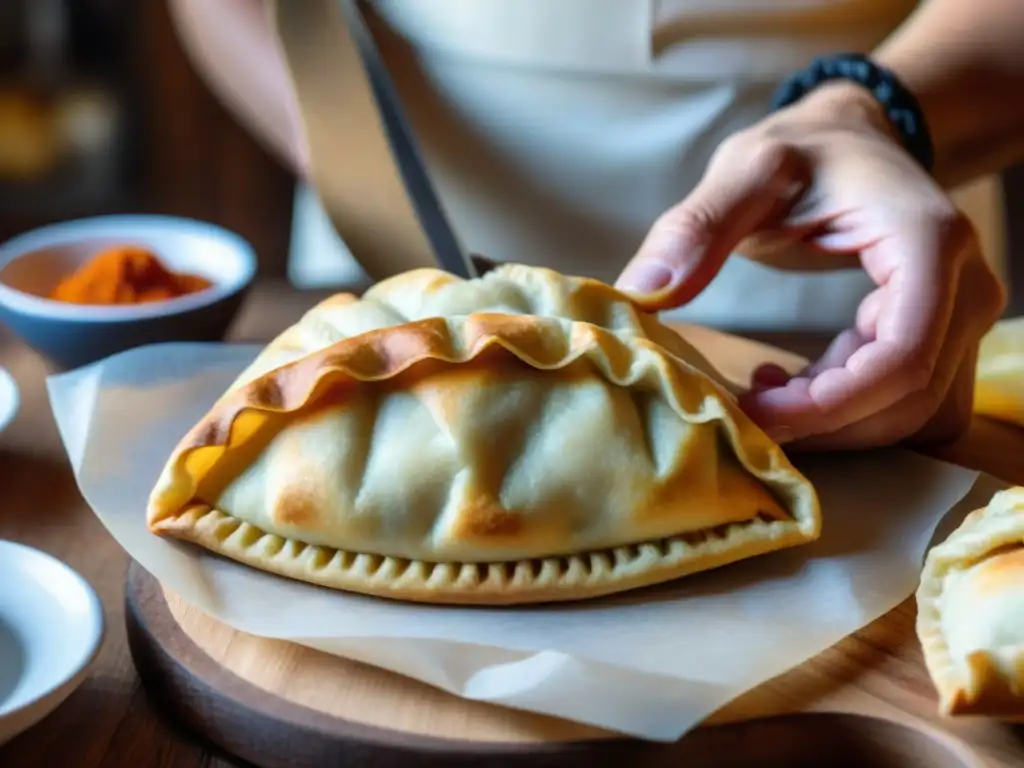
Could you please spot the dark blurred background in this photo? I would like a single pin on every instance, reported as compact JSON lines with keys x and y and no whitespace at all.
{"x":100,"y":112}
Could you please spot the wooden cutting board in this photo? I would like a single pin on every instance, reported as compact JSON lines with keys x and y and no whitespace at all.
{"x":865,"y":701}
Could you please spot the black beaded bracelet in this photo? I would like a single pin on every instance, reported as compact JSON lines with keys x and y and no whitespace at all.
{"x":899,"y":103}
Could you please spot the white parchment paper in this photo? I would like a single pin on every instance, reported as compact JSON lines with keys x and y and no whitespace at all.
{"x":652,"y":664}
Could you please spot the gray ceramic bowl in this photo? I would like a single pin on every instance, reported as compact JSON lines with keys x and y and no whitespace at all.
{"x":71,"y":335}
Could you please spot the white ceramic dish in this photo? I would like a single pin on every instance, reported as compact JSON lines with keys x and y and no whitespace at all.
{"x":51,"y":627}
{"x":9,"y":399}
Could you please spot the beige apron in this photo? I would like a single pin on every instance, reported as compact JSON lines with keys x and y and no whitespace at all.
{"x":555,"y":132}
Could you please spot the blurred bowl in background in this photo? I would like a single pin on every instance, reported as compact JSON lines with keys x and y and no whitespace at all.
{"x":72,"y":335}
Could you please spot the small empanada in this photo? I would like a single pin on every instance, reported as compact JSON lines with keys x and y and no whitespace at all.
{"x":999,"y":376}
{"x":970,"y":611}
{"x":521,"y":437}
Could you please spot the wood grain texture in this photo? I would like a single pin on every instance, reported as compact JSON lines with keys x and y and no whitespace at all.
{"x":330,"y":711}
{"x":111,"y":722}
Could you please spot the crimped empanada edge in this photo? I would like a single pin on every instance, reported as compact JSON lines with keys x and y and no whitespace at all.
{"x":385,"y":353}
{"x":974,"y":686}
{"x":541,"y":580}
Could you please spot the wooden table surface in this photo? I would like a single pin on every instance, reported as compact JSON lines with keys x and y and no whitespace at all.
{"x":109,"y":721}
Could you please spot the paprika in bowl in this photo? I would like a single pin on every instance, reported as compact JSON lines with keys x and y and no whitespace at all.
{"x":80,"y":291}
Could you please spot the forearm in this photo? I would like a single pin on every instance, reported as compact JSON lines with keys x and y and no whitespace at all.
{"x":964,"y":61}
{"x":231,"y":45}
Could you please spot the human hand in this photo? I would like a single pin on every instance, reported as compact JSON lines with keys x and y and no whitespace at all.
{"x":829,"y":175}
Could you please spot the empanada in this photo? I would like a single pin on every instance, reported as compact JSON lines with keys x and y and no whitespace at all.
{"x":970,"y":611}
{"x":521,"y":437}
{"x":999,"y":376}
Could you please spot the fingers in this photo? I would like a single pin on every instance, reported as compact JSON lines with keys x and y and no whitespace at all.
{"x":770,"y":375}
{"x":838,"y":352}
{"x":845,"y":344}
{"x":793,"y":392}
{"x":870,"y":310}
{"x":941,"y":413}
{"x":941,"y":410}
{"x":908,"y":319}
{"x":743,"y":189}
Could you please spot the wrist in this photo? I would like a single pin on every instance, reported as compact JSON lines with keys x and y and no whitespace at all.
{"x":844,"y":85}
{"x":849,"y":105}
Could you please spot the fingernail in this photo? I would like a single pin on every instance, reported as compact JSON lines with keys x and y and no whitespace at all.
{"x":770,"y":376}
{"x":646,"y":278}
{"x":780,"y":435}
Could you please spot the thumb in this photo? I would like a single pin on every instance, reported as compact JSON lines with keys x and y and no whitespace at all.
{"x":743,"y":190}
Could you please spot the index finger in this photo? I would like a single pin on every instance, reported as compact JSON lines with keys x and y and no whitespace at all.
{"x":738,"y":194}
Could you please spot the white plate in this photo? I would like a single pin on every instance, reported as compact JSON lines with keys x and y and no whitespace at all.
{"x":9,"y":399}
{"x":51,"y":627}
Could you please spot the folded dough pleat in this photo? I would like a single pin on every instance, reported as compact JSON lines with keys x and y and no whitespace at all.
{"x":512,"y":454}
{"x":971,"y":611}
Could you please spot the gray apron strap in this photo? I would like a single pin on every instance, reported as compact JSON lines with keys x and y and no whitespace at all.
{"x":351,"y":166}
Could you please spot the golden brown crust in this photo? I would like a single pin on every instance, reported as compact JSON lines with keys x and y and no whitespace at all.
{"x":970,"y":623}
{"x":755,"y":500}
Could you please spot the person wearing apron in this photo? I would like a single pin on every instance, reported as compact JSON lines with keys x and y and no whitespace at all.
{"x":557,"y":132}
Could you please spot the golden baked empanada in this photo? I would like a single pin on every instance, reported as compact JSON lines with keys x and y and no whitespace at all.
{"x":970,"y":611}
{"x":999,"y":376}
{"x":521,"y":437}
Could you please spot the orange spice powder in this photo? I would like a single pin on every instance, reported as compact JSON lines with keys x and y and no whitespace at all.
{"x":125,"y":275}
